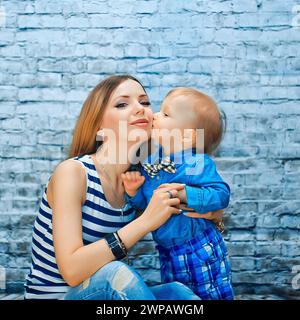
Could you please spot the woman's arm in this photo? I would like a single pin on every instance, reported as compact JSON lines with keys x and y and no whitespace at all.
{"x":215,"y":216}
{"x":75,"y":261}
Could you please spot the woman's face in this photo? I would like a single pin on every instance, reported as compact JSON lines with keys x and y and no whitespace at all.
{"x":128,"y":113}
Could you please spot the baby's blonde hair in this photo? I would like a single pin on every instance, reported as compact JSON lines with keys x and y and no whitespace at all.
{"x":209,"y":117}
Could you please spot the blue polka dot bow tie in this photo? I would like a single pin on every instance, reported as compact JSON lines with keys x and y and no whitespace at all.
{"x":166,"y":164}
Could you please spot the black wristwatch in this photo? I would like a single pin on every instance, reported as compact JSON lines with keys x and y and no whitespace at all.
{"x":115,"y":246}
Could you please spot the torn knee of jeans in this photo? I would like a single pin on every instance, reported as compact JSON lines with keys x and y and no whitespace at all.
{"x":122,"y":278}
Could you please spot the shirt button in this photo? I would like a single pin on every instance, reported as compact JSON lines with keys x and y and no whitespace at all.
{"x":157,"y":178}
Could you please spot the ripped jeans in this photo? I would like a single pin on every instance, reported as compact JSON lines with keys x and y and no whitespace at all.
{"x":118,"y":281}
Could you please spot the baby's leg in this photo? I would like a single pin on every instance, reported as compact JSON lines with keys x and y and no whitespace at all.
{"x":202,"y":264}
{"x":217,"y":285}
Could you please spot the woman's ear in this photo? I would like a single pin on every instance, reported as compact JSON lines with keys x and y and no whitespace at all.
{"x":100,"y":135}
{"x":99,"y":138}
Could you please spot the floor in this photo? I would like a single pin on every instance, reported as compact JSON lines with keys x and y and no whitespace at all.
{"x":11,"y":296}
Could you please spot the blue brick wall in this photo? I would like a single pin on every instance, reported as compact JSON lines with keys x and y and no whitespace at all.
{"x":243,"y":53}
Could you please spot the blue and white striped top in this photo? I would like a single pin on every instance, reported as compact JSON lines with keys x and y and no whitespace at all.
{"x":98,"y":218}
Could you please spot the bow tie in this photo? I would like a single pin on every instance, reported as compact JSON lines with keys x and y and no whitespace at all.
{"x":166,"y":164}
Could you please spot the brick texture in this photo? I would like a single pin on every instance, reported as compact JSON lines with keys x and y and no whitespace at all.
{"x":243,"y":53}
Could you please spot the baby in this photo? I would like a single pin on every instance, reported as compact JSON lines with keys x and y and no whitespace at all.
{"x":191,"y":249}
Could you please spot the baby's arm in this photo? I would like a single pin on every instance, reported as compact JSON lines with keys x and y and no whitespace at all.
{"x":191,"y":209}
{"x":210,"y":197}
{"x":204,"y":191}
{"x":132,"y":181}
{"x":207,"y":192}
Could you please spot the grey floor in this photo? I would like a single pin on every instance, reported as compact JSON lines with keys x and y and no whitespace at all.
{"x":11,"y":296}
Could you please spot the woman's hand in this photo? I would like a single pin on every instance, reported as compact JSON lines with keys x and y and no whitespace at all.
{"x":161,"y":207}
{"x":181,"y":192}
{"x":215,"y":216}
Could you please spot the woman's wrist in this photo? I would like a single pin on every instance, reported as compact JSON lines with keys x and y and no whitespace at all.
{"x":133,"y":232}
{"x":116,"y":245}
{"x":142,"y":223}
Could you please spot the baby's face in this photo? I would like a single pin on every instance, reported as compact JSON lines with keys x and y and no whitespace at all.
{"x":176,"y":112}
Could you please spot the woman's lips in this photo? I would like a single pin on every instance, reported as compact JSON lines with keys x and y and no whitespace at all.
{"x":140,"y":123}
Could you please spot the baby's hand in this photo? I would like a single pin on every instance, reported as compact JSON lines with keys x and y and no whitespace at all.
{"x":132,"y":180}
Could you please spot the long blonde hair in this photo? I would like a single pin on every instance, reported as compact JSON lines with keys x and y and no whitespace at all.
{"x":91,"y":115}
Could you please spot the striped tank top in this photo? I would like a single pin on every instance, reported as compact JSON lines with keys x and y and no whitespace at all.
{"x":98,"y":218}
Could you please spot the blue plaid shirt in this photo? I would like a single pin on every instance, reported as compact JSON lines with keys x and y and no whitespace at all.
{"x":205,"y":191}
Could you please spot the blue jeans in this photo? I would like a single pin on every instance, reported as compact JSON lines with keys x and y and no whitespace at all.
{"x":118,"y":281}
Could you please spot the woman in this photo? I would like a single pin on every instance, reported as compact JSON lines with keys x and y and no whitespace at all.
{"x":75,"y":244}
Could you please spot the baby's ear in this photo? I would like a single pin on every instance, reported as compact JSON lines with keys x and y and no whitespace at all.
{"x":199,"y":142}
{"x":190,"y":137}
